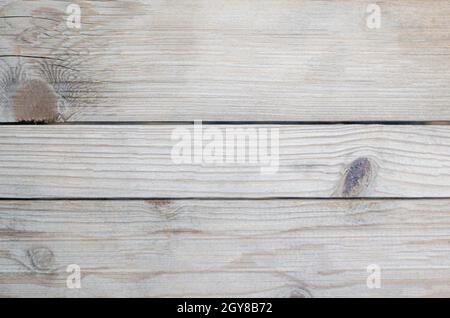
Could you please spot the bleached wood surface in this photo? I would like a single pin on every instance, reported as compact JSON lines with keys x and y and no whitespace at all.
{"x":272,"y":248}
{"x":283,"y":61}
{"x":160,"y":60}
{"x":110,"y":161}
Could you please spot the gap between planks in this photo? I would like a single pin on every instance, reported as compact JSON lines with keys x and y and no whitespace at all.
{"x":50,"y":199}
{"x":223,"y":122}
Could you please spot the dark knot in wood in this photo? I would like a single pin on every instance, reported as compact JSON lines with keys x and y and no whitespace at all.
{"x":41,"y":259}
{"x":35,"y":101}
{"x":357,"y":178}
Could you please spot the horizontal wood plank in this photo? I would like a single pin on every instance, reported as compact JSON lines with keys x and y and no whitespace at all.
{"x":136,"y":161}
{"x":263,"y":248}
{"x":265,"y":60}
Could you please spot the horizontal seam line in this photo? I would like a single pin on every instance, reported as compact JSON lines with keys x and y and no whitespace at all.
{"x":208,"y":122}
{"x":220,"y":199}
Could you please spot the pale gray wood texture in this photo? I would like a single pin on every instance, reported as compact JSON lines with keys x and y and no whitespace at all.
{"x":271,"y":248}
{"x":161,"y":60}
{"x":107,"y":161}
{"x":155,"y":61}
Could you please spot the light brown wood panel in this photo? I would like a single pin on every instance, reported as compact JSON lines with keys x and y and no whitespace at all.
{"x":270,"y":248}
{"x":162,"y":60}
{"x":111,"y":161}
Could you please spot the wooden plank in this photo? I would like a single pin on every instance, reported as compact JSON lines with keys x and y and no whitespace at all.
{"x":317,"y":161}
{"x":270,"y":248}
{"x":296,"y":60}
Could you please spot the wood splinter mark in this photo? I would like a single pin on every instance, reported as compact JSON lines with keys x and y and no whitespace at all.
{"x":357,"y":178}
{"x":159,"y":203}
{"x":165,"y":208}
{"x":35,"y":101}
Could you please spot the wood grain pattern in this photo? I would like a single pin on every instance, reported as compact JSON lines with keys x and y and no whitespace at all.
{"x":296,"y":60}
{"x":111,"y":198}
{"x":110,"y":161}
{"x":271,"y":248}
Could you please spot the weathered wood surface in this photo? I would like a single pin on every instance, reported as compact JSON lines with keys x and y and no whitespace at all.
{"x":272,"y":248}
{"x":224,"y":60}
{"x":296,"y":60}
{"x":110,"y":161}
